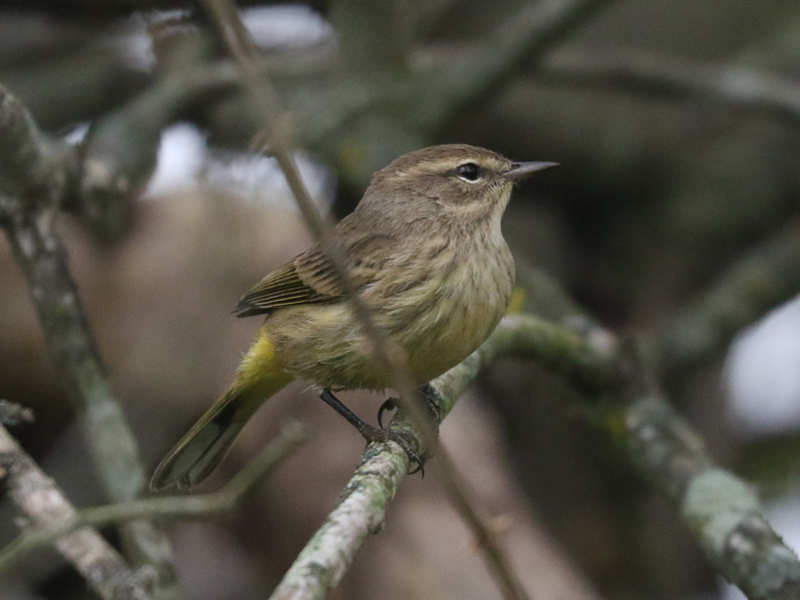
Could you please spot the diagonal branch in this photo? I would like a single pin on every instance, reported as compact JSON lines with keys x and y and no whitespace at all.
{"x":45,"y":505}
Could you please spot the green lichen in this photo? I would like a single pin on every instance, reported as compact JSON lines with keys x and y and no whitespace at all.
{"x":715,"y":503}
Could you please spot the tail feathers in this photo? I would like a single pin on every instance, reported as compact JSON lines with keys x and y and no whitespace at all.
{"x":204,"y":446}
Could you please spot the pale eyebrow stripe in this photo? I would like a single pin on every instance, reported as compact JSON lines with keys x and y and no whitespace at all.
{"x":443,"y":164}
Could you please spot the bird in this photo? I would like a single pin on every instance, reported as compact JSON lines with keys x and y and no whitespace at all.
{"x":425,"y":253}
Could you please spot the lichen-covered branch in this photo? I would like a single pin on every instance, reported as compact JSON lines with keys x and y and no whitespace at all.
{"x":360,"y":511}
{"x":167,"y":507}
{"x":36,"y":186}
{"x":362,"y":505}
{"x":38,"y":497}
{"x":722,"y":512}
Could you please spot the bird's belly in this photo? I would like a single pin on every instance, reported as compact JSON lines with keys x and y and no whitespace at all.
{"x":459,"y":323}
{"x":437,"y":324}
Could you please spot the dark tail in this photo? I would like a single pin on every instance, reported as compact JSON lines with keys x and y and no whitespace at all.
{"x":204,"y":446}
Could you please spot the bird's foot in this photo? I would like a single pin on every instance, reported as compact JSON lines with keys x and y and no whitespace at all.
{"x":379,"y":434}
{"x":375,"y":434}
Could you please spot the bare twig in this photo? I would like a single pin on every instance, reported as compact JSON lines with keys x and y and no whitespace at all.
{"x":167,"y":507}
{"x":737,"y":86}
{"x":35,"y":176}
{"x":46,"y":506}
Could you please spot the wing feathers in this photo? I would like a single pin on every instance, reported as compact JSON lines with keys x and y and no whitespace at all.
{"x":311,"y":278}
{"x":282,"y":287}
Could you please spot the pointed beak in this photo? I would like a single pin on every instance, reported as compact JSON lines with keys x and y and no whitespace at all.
{"x":523,"y":170}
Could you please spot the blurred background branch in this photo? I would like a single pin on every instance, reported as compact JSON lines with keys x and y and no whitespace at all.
{"x":37,"y":173}
{"x":737,"y":86}
{"x":37,"y":496}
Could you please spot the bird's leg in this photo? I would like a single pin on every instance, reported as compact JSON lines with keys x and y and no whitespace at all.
{"x":373,"y":434}
{"x":430,"y":399}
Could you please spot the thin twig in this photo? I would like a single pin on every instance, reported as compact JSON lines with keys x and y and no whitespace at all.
{"x":387,"y":354}
{"x":45,"y":505}
{"x":221,"y":501}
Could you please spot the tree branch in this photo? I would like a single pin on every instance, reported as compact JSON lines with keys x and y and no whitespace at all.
{"x":46,"y":506}
{"x":524,"y":38}
{"x":36,"y":177}
{"x":737,"y":86}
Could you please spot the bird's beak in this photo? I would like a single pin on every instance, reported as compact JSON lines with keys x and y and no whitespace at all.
{"x":523,"y":170}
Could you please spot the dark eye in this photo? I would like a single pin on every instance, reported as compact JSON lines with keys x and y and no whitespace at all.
{"x":468,"y":171}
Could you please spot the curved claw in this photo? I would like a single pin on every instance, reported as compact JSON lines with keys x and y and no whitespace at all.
{"x":413,"y":458}
{"x":419,"y":464}
{"x":373,"y":434}
{"x":388,"y":404}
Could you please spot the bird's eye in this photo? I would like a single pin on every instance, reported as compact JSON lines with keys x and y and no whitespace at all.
{"x":468,"y":171}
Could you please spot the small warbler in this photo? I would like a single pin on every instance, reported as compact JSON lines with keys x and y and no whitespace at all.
{"x":425,"y":251}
